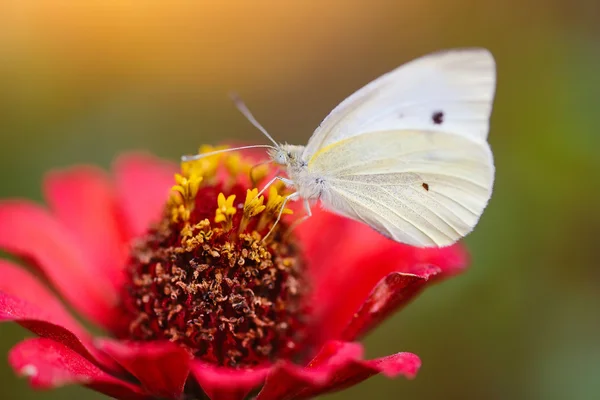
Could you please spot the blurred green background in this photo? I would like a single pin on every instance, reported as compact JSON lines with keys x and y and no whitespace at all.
{"x":82,"y":81}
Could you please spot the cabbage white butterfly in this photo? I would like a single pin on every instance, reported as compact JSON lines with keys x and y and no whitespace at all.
{"x":407,"y":154}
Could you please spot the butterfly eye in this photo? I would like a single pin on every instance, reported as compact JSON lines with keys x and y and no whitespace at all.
{"x":281,"y":158}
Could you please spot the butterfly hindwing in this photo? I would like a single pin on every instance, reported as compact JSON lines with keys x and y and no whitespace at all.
{"x":422,"y":188}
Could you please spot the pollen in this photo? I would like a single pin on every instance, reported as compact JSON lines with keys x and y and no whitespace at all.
{"x":203,"y":277}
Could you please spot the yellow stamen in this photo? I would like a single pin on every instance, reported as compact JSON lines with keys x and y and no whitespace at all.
{"x":252,"y":207}
{"x":279,"y":186}
{"x":180,"y":213}
{"x":207,"y":148}
{"x":234,"y":165}
{"x":258,"y":173}
{"x":225,"y":210}
{"x":203,"y":172}
{"x":188,"y":187}
{"x":275,"y":202}
{"x":253,"y":204}
{"x":205,"y":167}
{"x":273,"y":207}
{"x":183,"y":196}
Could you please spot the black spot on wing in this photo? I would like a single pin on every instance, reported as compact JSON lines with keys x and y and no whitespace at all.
{"x":437,"y":117}
{"x":425,"y":186}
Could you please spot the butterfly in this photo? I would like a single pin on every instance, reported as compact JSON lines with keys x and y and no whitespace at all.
{"x":407,"y":154}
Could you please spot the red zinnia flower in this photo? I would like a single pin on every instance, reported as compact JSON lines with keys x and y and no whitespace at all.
{"x":196,"y":303}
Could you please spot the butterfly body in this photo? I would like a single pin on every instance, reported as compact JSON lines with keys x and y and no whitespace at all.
{"x":310,"y":185}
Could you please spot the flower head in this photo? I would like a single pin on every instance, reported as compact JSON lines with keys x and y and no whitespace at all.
{"x":210,"y":283}
{"x":198,"y":302}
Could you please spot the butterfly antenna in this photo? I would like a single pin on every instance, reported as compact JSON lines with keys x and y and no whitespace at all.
{"x":246,"y":113}
{"x":212,"y":153}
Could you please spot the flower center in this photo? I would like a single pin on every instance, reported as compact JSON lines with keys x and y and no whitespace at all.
{"x":206,"y":278}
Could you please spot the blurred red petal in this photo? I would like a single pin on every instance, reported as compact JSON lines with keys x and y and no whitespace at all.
{"x":49,"y":364}
{"x":36,"y":320}
{"x":452,"y":260}
{"x":339,"y":365}
{"x":25,"y":300}
{"x":143,"y":183}
{"x":391,"y":293}
{"x":162,"y":368}
{"x":84,"y":200}
{"x":226,"y":383}
{"x":346,"y":271}
{"x":405,"y":364}
{"x":23,"y":285}
{"x":30,"y":231}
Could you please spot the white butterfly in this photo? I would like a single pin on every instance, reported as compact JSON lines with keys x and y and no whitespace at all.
{"x":407,"y":154}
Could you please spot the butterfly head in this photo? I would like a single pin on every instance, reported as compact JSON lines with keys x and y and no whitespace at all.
{"x":286,"y":154}
{"x":279,"y":156}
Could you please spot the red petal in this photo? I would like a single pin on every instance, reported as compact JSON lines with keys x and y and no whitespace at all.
{"x":84,"y":200}
{"x":162,"y":368}
{"x":226,"y":383}
{"x":25,"y":300}
{"x":338,"y":366}
{"x":18,"y":283}
{"x":50,"y":364}
{"x":345,"y":270}
{"x":391,"y":293}
{"x":406,"y":364}
{"x":144,"y":183}
{"x":28,"y":230}
{"x":452,"y":260}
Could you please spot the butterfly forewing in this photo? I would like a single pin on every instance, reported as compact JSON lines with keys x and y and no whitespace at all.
{"x":447,"y":92}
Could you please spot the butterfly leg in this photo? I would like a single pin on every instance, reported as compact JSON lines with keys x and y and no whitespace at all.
{"x":293,"y":196}
{"x":301,"y":220}
{"x":286,"y":181}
